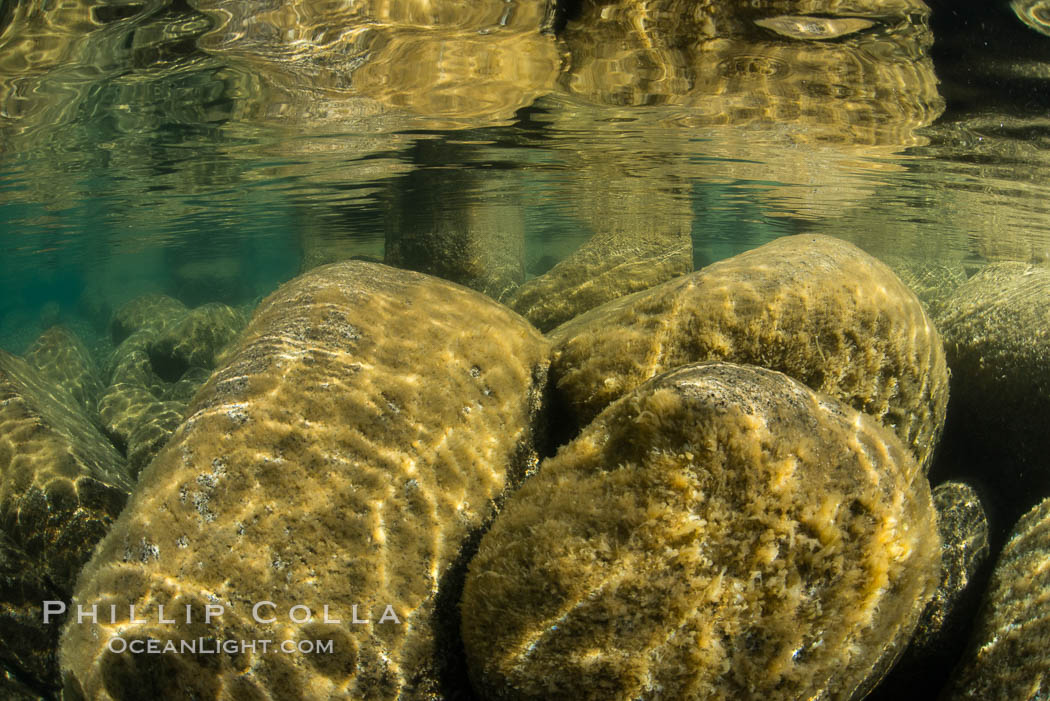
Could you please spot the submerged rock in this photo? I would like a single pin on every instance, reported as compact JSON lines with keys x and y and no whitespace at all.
{"x":997,"y":339}
{"x":943,"y":625}
{"x":61,"y":482}
{"x":195,"y":340}
{"x":63,"y":359}
{"x":933,"y":282}
{"x":158,"y":368}
{"x":61,"y":486}
{"x":152,"y":312}
{"x":611,"y":264}
{"x":138,"y":422}
{"x":131,"y":364}
{"x":1009,"y":654}
{"x":963,"y":526}
{"x":187,"y":386}
{"x":722,"y":532}
{"x":362,"y":428}
{"x":28,"y":647}
{"x":816,"y":308}
{"x":608,"y":266}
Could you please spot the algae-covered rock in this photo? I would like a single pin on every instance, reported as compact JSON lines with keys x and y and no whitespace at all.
{"x":156,"y":370}
{"x":138,"y":422}
{"x":61,"y":482}
{"x":1009,"y":654}
{"x":997,"y":340}
{"x":362,"y":428}
{"x":722,"y":532}
{"x":933,"y":282}
{"x":613,"y":263}
{"x":130,"y":363}
{"x":187,"y":385}
{"x":941,"y":633}
{"x":816,"y":308}
{"x":195,"y":340}
{"x":153,"y":312}
{"x":28,"y":647}
{"x":963,"y":526}
{"x":63,"y":359}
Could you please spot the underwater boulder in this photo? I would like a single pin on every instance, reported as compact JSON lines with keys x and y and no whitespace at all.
{"x":63,"y":359}
{"x":933,"y":282}
{"x":28,"y":646}
{"x":941,"y":632}
{"x":195,"y":340}
{"x":997,"y":339}
{"x":136,"y":411}
{"x":61,"y":483}
{"x":156,"y":370}
{"x":816,"y":308}
{"x":61,"y":486}
{"x":611,"y":264}
{"x":152,"y":312}
{"x":722,"y":532}
{"x":187,"y":386}
{"x":1009,"y":653}
{"x":130,"y":363}
{"x":963,"y":526}
{"x":138,"y":422}
{"x":361,"y":430}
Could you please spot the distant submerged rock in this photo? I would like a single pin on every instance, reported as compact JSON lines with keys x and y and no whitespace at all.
{"x":62,"y":358}
{"x":997,"y":339}
{"x":165,"y":355}
{"x":721,"y":532}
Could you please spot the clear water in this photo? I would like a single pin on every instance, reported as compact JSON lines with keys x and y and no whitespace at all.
{"x":214,"y":149}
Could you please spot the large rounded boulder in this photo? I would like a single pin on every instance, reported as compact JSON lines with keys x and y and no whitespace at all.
{"x":816,"y":308}
{"x":364,"y":425}
{"x":722,"y":532}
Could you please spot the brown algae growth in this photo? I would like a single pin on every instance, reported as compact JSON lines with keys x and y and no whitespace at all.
{"x":722,"y":532}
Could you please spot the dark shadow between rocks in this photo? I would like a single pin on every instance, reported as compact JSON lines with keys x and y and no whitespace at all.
{"x":168,"y":367}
